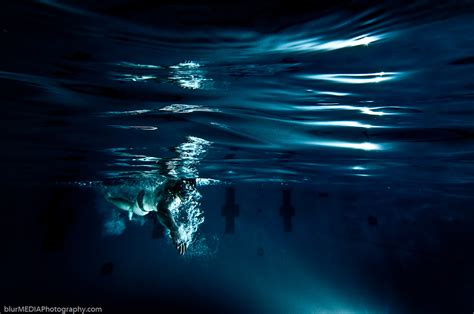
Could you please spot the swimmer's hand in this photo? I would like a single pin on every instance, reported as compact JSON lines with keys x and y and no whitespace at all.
{"x":180,"y":245}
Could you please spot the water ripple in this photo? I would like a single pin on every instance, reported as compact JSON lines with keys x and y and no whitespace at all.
{"x":183,"y":108}
{"x":359,"y":78}
{"x":339,"y":95}
{"x":318,"y":44}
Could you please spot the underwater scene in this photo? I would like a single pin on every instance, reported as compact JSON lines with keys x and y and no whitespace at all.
{"x":237,"y":157}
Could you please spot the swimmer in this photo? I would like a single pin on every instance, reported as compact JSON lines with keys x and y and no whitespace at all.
{"x":161,"y":200}
{"x":165,"y":201}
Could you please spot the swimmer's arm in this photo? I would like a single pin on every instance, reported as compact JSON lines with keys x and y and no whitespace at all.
{"x":165,"y":218}
{"x":121,"y":203}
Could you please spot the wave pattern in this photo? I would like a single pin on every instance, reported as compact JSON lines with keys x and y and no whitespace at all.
{"x":327,"y":99}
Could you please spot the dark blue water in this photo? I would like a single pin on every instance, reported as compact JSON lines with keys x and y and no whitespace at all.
{"x":333,"y":145}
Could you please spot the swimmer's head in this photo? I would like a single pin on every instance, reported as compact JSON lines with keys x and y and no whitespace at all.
{"x":183,"y":186}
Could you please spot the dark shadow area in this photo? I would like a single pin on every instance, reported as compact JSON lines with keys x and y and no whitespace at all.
{"x":230,"y":210}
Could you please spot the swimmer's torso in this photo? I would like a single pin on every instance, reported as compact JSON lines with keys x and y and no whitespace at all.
{"x":147,"y":201}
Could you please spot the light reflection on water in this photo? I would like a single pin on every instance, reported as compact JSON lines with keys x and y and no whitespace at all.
{"x":327,"y":92}
{"x":367,"y":146}
{"x":359,"y":78}
{"x":317,"y":44}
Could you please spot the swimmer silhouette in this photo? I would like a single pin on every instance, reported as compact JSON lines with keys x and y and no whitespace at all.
{"x":161,"y":200}
{"x":170,"y":194}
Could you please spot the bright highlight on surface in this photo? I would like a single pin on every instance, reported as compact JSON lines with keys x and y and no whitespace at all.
{"x":137,"y":65}
{"x":362,"y":146}
{"x":354,"y":124}
{"x":374,"y":111}
{"x":184,"y":108}
{"x":134,"y":78}
{"x":358,"y":78}
{"x":317,"y":44}
{"x":337,"y":94}
{"x":188,"y":75}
